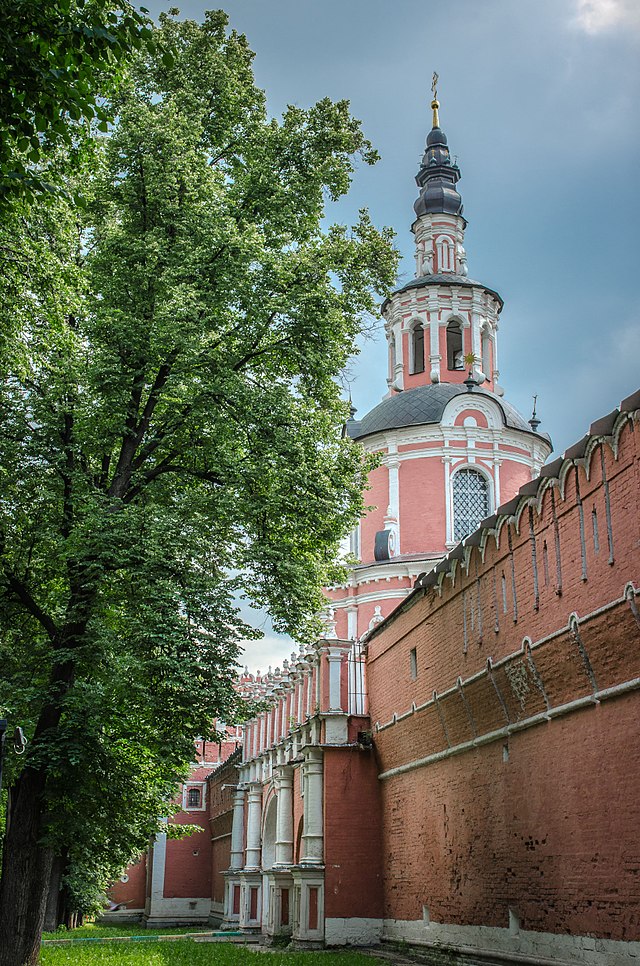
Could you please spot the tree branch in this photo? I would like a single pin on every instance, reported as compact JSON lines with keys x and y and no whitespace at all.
{"x":19,"y":590}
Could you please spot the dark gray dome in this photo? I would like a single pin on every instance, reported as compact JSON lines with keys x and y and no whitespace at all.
{"x":448,"y":278}
{"x":424,"y":405}
{"x":437,"y":178}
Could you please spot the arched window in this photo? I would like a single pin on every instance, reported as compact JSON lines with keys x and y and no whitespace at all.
{"x":455,"y":359}
{"x":193,"y":798}
{"x":470,"y":502}
{"x":444,"y":248}
{"x":417,"y":348}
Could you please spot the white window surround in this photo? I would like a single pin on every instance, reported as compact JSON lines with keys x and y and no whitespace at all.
{"x":202,"y":786}
{"x":445,"y":249}
{"x":414,"y":324}
{"x":452,"y":540}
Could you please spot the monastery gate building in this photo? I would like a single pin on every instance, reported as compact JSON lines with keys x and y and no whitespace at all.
{"x":455,"y":764}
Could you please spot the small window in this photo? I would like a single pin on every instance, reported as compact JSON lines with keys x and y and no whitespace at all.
{"x":413,"y":663}
{"x":417,"y":349}
{"x":455,"y":358}
{"x":194,"y":797}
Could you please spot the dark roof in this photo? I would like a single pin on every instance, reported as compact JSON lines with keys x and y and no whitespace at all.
{"x":426,"y":404}
{"x":445,"y":279}
{"x":437,"y":178}
{"x":528,"y":492}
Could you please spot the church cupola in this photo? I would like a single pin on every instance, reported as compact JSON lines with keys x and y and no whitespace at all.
{"x":438,"y":176}
{"x":441,"y":326}
{"x":439,"y":226}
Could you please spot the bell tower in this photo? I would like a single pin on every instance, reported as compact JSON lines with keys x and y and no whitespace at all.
{"x":452,"y":336}
{"x":452,"y":449}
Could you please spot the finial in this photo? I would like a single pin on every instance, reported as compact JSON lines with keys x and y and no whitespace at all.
{"x":534,"y":422}
{"x":352,"y":408}
{"x":435,"y":104}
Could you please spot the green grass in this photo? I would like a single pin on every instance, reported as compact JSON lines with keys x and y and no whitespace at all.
{"x":187,"y":953}
{"x":179,"y":953}
{"x":137,"y":929}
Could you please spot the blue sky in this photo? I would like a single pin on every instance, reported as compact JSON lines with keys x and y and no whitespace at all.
{"x":539,"y":101}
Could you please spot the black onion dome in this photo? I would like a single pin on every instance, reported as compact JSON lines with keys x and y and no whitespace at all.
{"x":426,"y":404}
{"x":437,"y":178}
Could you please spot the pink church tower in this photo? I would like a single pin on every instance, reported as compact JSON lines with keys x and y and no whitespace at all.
{"x":452,"y":448}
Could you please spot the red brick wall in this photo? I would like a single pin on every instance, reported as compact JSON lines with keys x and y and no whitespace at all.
{"x":131,"y":893}
{"x":188,"y":863}
{"x":551,"y":833}
{"x":353,"y":840}
{"x":220,"y":795}
{"x":435,"y":625}
{"x":543,"y":820}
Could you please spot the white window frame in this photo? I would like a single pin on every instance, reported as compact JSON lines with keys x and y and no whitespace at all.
{"x":202,"y":807}
{"x":483,"y":472}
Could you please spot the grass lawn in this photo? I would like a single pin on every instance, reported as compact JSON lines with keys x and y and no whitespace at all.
{"x":179,"y":953}
{"x":137,"y":929}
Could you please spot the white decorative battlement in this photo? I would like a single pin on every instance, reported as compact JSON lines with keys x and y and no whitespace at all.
{"x":308,"y":703}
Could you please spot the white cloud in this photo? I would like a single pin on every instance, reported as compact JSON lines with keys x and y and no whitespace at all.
{"x":269,"y":652}
{"x":598,"y":16}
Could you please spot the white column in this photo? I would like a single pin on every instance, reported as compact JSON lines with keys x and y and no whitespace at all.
{"x":447,"y":494}
{"x":312,"y":836}
{"x":269,"y":736}
{"x":254,"y":813}
{"x":309,"y":673}
{"x":352,"y":622}
{"x":496,"y":477}
{"x":299,"y":693}
{"x":392,"y":517}
{"x":158,"y":866}
{"x":237,"y":830}
{"x":334,"y":660}
{"x":398,"y":376}
{"x":434,"y":346}
{"x":284,"y":815}
{"x":476,"y":346}
{"x":284,"y":722}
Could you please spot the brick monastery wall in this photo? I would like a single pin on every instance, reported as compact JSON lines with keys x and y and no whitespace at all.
{"x":220,"y":796}
{"x":131,"y":893}
{"x":353,"y":836}
{"x":514,"y":786}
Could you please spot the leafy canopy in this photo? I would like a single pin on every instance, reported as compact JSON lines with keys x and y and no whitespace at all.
{"x":171,"y":425}
{"x":58,"y":58}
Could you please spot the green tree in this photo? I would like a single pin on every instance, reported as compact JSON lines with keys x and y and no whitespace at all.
{"x":57,"y":59}
{"x":170,"y":437}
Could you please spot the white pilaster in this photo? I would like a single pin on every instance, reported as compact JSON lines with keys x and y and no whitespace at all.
{"x":352,"y":622}
{"x":237,"y":829}
{"x":334,"y":661}
{"x":284,"y":815}
{"x":313,"y":833}
{"x":254,"y":812}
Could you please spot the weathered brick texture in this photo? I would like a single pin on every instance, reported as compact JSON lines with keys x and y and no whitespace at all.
{"x":515,"y":786}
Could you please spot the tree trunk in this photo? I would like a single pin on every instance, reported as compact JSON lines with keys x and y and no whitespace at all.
{"x":26,"y":873}
{"x":53,"y":914}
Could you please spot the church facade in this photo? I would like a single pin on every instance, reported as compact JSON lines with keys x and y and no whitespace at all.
{"x":454,"y":764}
